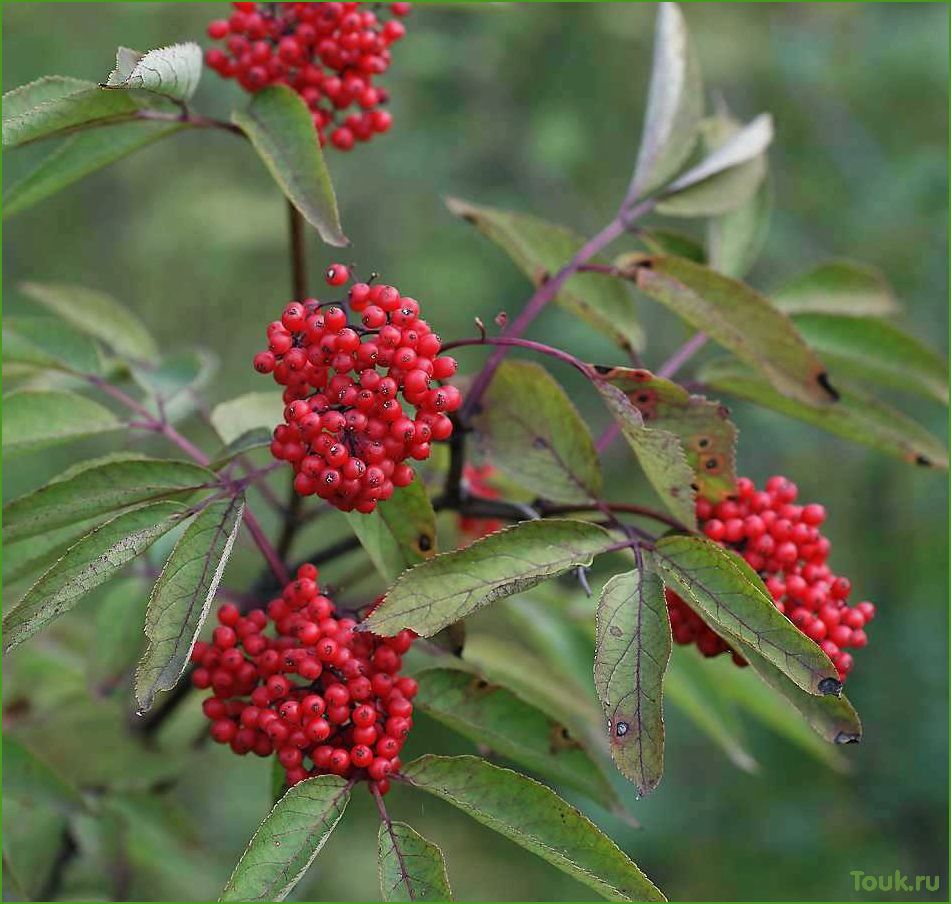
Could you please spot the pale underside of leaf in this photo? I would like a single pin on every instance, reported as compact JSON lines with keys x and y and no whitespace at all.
{"x":172,"y":71}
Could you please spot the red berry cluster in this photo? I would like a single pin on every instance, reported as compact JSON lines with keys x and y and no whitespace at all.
{"x":346,"y":431}
{"x":781,"y":541}
{"x":324,"y":697}
{"x":477,"y":480}
{"x":329,"y":53}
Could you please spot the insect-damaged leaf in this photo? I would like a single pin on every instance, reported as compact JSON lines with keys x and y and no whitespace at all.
{"x":630,"y":660}
{"x":172,"y":71}
{"x":411,"y":868}
{"x":707,"y":434}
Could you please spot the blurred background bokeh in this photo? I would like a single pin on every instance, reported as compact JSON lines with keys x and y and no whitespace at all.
{"x":533,"y":106}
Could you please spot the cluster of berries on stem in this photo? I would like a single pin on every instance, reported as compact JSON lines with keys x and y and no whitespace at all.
{"x":329,"y":53}
{"x":299,"y":681}
{"x":782,"y":542}
{"x":359,"y":397}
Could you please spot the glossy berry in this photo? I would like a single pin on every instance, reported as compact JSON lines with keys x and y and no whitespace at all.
{"x":363,"y":390}
{"x":781,"y":541}
{"x":331,"y":54}
{"x":270,"y":695}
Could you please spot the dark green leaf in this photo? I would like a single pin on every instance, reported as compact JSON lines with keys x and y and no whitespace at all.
{"x":79,"y":156}
{"x":288,"y":840}
{"x":411,"y":868}
{"x":630,"y":660}
{"x":451,"y":586}
{"x":838,"y":287}
{"x":87,"y":564}
{"x":118,"y":633}
{"x":258,"y":438}
{"x":874,"y":351}
{"x":47,"y":343}
{"x":534,"y":817}
{"x":400,"y":533}
{"x":28,"y":559}
{"x":730,"y":596}
{"x":31,"y":779}
{"x":236,"y":417}
{"x":674,"y":104}
{"x":541,"y":249}
{"x":530,"y":430}
{"x":667,"y":241}
{"x":856,"y":416}
{"x":98,"y":315}
{"x":741,"y":320}
{"x":172,"y":71}
{"x":492,"y":715}
{"x":99,"y":489}
{"x":183,"y":595}
{"x":659,"y":452}
{"x":281,"y":129}
{"x":36,"y":418}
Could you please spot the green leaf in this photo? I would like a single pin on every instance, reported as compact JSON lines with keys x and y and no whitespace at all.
{"x":118,"y":633}
{"x":875,"y":351}
{"x":258,"y":438}
{"x":741,"y":320}
{"x":280,"y":127}
{"x":42,"y":91}
{"x":400,"y":533}
{"x":172,"y":71}
{"x":99,"y":489}
{"x":534,"y":817}
{"x":30,"y":778}
{"x":704,"y":428}
{"x":183,"y":595}
{"x":79,"y":156}
{"x":450,"y":586}
{"x":97,"y":315}
{"x":541,"y":249}
{"x":411,"y":868}
{"x":87,"y":564}
{"x":728,"y":176}
{"x":175,"y":374}
{"x":288,"y":840}
{"x":47,"y":343}
{"x":529,"y":429}
{"x":674,"y":104}
{"x":490,"y":714}
{"x":730,"y":596}
{"x":668,"y":241}
{"x":856,"y":416}
{"x":33,"y":419}
{"x":630,"y":660}
{"x":660,"y":454}
{"x":838,"y":287}
{"x":238,"y":416}
{"x":736,"y":238}
{"x":63,"y":111}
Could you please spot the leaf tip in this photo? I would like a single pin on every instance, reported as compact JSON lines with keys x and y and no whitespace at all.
{"x":830,"y":390}
{"x":847,"y":737}
{"x":829,"y":686}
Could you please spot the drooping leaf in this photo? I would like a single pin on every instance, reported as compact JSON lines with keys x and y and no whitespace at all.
{"x":118,"y":633}
{"x":68,"y":105}
{"x":172,"y":71}
{"x":707,"y":434}
{"x":183,"y":595}
{"x":47,"y":343}
{"x":87,"y":564}
{"x":400,"y":533}
{"x":728,"y":176}
{"x":288,"y":840}
{"x":875,"y":351}
{"x":856,"y":416}
{"x":234,"y":418}
{"x":660,"y":453}
{"x":97,"y":314}
{"x":838,"y":287}
{"x":28,"y":559}
{"x":280,"y":127}
{"x":491,"y":714}
{"x":450,"y":586}
{"x":534,"y":817}
{"x":411,"y":868}
{"x":541,"y":249}
{"x":630,"y":660}
{"x":674,"y":104}
{"x":730,"y":596}
{"x":740,"y":319}
{"x":736,"y":237}
{"x":79,"y":156}
{"x":36,"y":418}
{"x":102,"y":488}
{"x":530,"y":430}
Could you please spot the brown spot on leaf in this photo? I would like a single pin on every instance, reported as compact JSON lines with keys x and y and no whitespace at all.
{"x":831,"y":391}
{"x":615,"y":631}
{"x":560,"y":739}
{"x":424,"y":543}
{"x":923,"y":460}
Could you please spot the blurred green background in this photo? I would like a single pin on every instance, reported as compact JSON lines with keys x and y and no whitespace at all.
{"x":535,"y":106}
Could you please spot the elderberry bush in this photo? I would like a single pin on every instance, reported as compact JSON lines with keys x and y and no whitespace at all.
{"x":381,"y":568}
